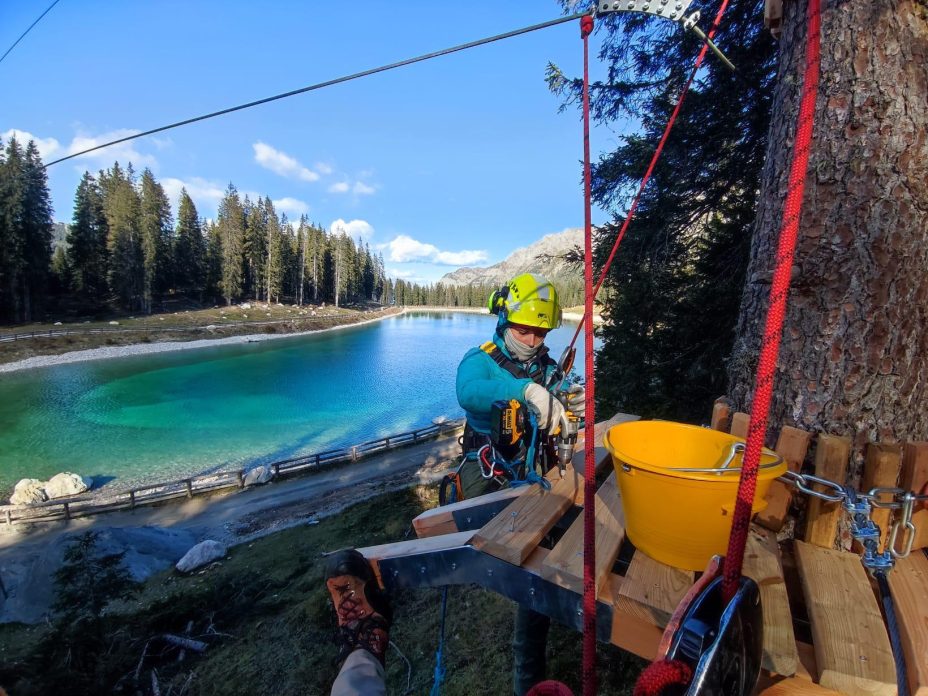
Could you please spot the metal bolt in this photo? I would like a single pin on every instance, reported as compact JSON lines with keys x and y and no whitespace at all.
{"x":454,"y":566}
{"x":396,"y":573}
{"x":468,"y":520}
{"x":422,"y":569}
{"x":531,"y":592}
{"x":512,"y":522}
{"x":631,"y":6}
{"x":489,"y":572}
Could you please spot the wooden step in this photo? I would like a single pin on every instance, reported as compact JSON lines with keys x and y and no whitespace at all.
{"x":564,"y":565}
{"x":909,"y":585}
{"x":762,"y":564}
{"x":852,"y":648}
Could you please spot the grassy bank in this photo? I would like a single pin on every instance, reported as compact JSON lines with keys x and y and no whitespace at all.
{"x":183,"y":325}
{"x":266,"y":616}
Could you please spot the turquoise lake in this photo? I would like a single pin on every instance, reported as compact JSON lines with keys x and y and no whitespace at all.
{"x":169,"y":415}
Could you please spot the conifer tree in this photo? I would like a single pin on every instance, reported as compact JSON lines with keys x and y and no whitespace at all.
{"x":122,"y":209}
{"x":254,"y":248}
{"x":87,"y":235}
{"x":189,"y":248}
{"x":231,"y":224}
{"x":155,"y":227}
{"x":274,"y":272}
{"x":213,"y":271}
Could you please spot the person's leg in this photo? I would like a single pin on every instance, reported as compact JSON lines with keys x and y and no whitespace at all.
{"x":364,"y":616}
{"x":529,"y":640}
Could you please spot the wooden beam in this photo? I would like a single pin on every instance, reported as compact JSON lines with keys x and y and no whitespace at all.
{"x":721,"y":414}
{"x":739,"y":424}
{"x":882,"y":463}
{"x":517,"y":530}
{"x":914,"y":477}
{"x":792,"y":445}
{"x":851,"y":645}
{"x":654,"y":588}
{"x":831,"y":459}
{"x":632,"y":627}
{"x":564,"y":565}
{"x":375,"y":554}
{"x":909,"y":585}
{"x":762,"y":564}
{"x":440,"y":520}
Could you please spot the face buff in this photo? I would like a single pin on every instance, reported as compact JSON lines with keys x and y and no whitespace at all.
{"x":519,"y":350}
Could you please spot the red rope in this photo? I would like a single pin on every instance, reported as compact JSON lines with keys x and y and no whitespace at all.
{"x":657,"y":676}
{"x":770,"y":343}
{"x":589,"y":475}
{"x":656,"y":156}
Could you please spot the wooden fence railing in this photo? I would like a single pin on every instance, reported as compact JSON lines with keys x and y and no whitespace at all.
{"x":84,"y":505}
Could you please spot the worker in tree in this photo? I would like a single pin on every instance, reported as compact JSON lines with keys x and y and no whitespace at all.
{"x":514,"y":365}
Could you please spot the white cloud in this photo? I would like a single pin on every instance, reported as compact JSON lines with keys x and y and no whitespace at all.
{"x":354,"y":228}
{"x":291,"y":206}
{"x":362,"y":189}
{"x":46,"y":146}
{"x":324,"y":168}
{"x":205,"y":194}
{"x":405,"y":274}
{"x":405,"y":249}
{"x":340,"y":187}
{"x":122,"y":152}
{"x":281,"y":163}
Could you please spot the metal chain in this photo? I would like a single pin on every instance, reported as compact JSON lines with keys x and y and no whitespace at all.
{"x":859,"y":506}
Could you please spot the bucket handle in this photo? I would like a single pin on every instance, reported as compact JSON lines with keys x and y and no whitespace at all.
{"x":726,"y":465}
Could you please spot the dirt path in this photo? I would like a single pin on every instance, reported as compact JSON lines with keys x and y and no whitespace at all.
{"x":156,"y":537}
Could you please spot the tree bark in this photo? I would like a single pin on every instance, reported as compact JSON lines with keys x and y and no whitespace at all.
{"x":854,"y":357}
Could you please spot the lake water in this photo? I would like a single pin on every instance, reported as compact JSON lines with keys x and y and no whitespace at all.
{"x":170,"y":415}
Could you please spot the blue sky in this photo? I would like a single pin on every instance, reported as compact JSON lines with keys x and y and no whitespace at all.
{"x":456,"y":161}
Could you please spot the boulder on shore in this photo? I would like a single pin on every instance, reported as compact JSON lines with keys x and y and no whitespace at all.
{"x":65,"y":484}
{"x":28,"y":492}
{"x":201,"y":554}
{"x":257,"y":476}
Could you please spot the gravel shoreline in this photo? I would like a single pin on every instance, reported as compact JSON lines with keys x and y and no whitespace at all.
{"x":105,"y":352}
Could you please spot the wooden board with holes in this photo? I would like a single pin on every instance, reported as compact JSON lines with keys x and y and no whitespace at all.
{"x":882,"y":464}
{"x":792,"y":445}
{"x":762,"y":564}
{"x":914,"y":477}
{"x":852,"y":649}
{"x":654,"y":588}
{"x":739,"y":424}
{"x":564,"y":565}
{"x":831,"y":457}
{"x":909,"y":586}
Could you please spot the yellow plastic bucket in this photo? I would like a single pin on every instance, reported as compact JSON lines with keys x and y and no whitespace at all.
{"x":678,"y":485}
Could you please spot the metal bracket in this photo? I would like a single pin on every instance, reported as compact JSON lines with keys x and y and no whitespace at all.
{"x":464,"y":565}
{"x":668,"y":9}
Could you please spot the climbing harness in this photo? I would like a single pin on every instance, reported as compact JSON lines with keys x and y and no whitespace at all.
{"x":540,"y":362}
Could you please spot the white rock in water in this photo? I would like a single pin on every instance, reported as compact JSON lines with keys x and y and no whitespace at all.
{"x":201,"y":554}
{"x":258,"y":475}
{"x":115,"y":323}
{"x":245,"y":305}
{"x":28,"y":492}
{"x":65,"y":484}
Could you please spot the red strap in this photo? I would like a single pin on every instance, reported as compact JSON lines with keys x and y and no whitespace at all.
{"x":770,"y":343}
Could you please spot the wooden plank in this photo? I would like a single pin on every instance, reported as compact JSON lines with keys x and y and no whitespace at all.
{"x":795,"y":686}
{"x":721,"y":414}
{"x":440,"y":520}
{"x":564,"y":565}
{"x":739,"y":424}
{"x":518,"y":529}
{"x":762,"y":564}
{"x":882,"y":463}
{"x":914,"y":477}
{"x":852,"y":649}
{"x":792,"y":445}
{"x":375,"y":554}
{"x":656,"y":589}
{"x":831,"y":459}
{"x":909,"y":585}
{"x":632,"y":626}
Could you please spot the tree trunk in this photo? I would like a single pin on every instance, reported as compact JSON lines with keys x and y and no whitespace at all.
{"x":854,"y":357}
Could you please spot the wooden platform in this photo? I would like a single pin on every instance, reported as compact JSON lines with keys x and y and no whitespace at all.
{"x":503,"y":541}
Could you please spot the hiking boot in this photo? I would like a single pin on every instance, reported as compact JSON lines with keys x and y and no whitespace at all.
{"x":362,"y":609}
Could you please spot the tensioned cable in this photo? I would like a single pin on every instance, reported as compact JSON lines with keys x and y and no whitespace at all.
{"x":329,"y":83}
{"x":23,"y":35}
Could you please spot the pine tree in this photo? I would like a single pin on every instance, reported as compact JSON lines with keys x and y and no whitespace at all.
{"x":122,"y":209}
{"x":12,"y":196}
{"x":676,"y":282}
{"x":254,"y":248}
{"x":231,"y":224}
{"x":212,"y":282}
{"x":189,"y":248}
{"x":155,"y":228}
{"x":274,"y":272}
{"x":87,"y":253}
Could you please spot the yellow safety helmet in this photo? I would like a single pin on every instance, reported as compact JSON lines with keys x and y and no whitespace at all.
{"x":528,"y":299}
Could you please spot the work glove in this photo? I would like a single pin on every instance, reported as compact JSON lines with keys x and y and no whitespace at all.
{"x":576,"y":398}
{"x":547,"y":409}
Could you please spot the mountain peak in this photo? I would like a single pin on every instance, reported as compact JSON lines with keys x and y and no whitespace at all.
{"x":541,"y":257}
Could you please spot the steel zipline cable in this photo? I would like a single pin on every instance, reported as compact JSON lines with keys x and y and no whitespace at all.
{"x":329,"y":83}
{"x":23,"y":35}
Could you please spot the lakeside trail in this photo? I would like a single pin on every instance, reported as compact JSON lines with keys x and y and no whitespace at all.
{"x":156,"y":537}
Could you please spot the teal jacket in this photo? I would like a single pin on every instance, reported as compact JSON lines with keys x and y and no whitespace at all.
{"x":481,"y":381}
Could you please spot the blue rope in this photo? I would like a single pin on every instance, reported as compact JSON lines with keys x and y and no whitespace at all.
{"x":439,"y":674}
{"x":902,"y":682}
